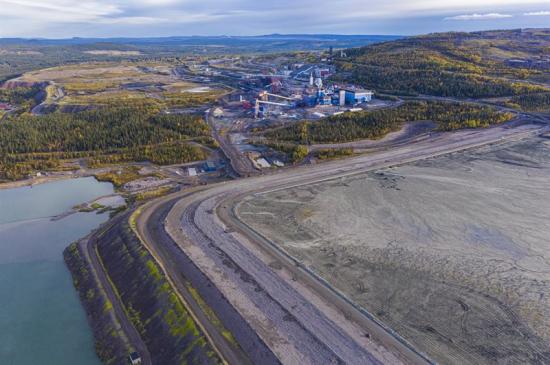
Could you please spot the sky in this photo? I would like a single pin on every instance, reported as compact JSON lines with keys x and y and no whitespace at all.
{"x":144,"y":18}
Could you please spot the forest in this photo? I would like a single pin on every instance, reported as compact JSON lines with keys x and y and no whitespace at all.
{"x":107,"y":135}
{"x":19,"y":95}
{"x":468,"y":65}
{"x":376,"y":124}
{"x":531,"y":103}
{"x":402,"y":81}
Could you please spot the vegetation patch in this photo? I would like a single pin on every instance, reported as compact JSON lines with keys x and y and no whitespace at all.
{"x":21,"y":96}
{"x":211,"y":315}
{"x":110,"y":135}
{"x":333,"y":153}
{"x":106,"y":112}
{"x":376,"y":124}
{"x":152,"y":194}
{"x":120,"y":177}
{"x":531,"y":102}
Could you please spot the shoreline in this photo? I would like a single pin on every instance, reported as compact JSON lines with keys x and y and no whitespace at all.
{"x":37,"y":181}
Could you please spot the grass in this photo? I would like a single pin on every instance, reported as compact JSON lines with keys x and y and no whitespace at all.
{"x":89,"y":86}
{"x":133,"y":225}
{"x":120,"y":177}
{"x":135,"y":317}
{"x":153,"y":270}
{"x":108,"y":306}
{"x":105,"y":97}
{"x":129,"y":314}
{"x":211,"y":315}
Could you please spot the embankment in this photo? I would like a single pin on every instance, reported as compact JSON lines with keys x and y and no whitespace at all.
{"x":111,"y":344}
{"x":164,"y":324}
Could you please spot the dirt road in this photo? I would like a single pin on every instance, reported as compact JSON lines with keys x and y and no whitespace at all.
{"x":240,"y":165}
{"x":89,"y":245}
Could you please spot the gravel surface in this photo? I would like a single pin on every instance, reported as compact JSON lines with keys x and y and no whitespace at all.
{"x":452,"y":252}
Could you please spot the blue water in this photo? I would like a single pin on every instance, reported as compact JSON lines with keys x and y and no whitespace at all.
{"x":41,"y":319}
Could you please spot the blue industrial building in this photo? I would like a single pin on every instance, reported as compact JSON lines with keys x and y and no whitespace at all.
{"x":358,"y":96}
{"x":337,"y":96}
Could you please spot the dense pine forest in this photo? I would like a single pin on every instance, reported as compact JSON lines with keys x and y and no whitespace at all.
{"x":532,"y":103}
{"x":108,"y":135}
{"x":20,"y":95}
{"x":469,"y":65}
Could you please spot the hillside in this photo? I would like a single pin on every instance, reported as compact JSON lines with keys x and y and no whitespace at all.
{"x":474,"y":65}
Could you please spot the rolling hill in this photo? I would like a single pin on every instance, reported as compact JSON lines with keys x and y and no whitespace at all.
{"x":469,"y":65}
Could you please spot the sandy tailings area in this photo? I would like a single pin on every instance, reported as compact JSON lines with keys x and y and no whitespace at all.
{"x":452,"y":252}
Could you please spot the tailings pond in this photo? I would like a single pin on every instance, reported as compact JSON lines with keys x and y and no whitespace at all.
{"x":452,"y":252}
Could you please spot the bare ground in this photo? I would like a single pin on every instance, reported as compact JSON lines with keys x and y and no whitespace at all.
{"x":451,"y":252}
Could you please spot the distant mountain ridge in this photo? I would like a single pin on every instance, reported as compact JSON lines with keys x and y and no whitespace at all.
{"x":199,"y":39}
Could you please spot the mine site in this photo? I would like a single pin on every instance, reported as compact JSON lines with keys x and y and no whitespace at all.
{"x":296,"y":198}
{"x":434,"y":248}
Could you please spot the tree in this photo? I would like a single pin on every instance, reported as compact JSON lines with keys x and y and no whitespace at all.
{"x":300,"y":152}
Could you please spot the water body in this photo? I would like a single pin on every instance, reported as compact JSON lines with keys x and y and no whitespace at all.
{"x":41,"y":319}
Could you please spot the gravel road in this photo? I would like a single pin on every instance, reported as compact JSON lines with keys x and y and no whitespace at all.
{"x":89,"y":245}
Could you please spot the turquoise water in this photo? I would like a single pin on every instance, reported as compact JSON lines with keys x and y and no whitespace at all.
{"x":41,"y":319}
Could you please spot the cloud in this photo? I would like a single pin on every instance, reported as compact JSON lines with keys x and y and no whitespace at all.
{"x":64,"y":11}
{"x":131,"y":20}
{"x":537,"y":13}
{"x":475,"y":16}
{"x":90,"y":8}
{"x":67,"y":18}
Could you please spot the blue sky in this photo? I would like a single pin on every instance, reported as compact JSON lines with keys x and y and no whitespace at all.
{"x":138,"y":18}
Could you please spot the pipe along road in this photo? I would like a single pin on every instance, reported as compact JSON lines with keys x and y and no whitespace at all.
{"x":277,"y":309}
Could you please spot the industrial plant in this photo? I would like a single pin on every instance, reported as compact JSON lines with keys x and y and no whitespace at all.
{"x":295,"y":89}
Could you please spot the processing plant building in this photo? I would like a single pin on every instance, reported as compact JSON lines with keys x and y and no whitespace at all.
{"x":353,"y":97}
